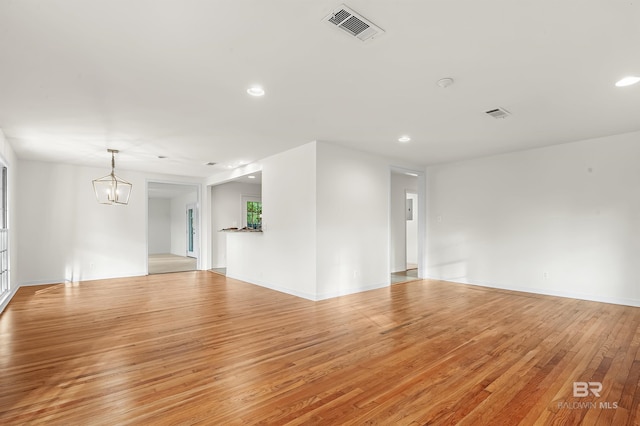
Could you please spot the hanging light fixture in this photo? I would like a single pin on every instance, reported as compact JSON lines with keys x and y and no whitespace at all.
{"x":110,"y":189}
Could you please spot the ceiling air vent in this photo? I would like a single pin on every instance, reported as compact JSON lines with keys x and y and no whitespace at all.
{"x":498,"y":113}
{"x":353,"y":24}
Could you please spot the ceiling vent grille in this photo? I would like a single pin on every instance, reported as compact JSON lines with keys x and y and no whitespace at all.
{"x":353,"y":24}
{"x":498,"y":113}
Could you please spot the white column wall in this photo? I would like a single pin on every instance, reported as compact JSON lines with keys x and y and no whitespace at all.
{"x":562,"y":220}
{"x":284,"y":256}
{"x":326,"y":224}
{"x":352,"y":221}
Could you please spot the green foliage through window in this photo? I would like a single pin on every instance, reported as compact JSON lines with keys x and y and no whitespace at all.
{"x":254,"y":214}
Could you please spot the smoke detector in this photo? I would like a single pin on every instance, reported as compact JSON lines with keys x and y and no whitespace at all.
{"x":445,"y":82}
{"x":498,"y":113}
{"x":353,"y":23}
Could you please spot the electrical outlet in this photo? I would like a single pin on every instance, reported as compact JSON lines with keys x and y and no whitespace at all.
{"x":545,"y":276}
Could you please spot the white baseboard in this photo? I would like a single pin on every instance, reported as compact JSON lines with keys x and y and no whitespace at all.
{"x":345,"y":292}
{"x":42,"y":282}
{"x":14,"y":290}
{"x":312,"y":297}
{"x":568,"y":294}
{"x":275,"y":287}
{"x":7,"y":299}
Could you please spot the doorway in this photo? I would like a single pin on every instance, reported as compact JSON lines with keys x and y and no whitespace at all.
{"x":411,"y":225}
{"x":173,"y":226}
{"x":405,"y":219}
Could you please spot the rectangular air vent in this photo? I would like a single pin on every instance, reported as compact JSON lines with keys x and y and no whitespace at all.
{"x":498,"y":113}
{"x":353,"y":24}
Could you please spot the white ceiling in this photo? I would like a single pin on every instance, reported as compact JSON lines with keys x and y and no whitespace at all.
{"x":170,"y":77}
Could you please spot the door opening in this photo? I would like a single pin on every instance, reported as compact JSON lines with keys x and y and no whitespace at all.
{"x":172,"y":237}
{"x":411,"y":239}
{"x":404,"y":225}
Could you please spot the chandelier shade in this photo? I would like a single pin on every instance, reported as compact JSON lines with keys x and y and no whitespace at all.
{"x":111,"y":189}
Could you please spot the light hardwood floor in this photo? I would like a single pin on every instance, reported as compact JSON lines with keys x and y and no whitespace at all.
{"x":198,"y":348}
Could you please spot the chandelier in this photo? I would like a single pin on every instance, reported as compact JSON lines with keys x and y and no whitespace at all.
{"x":111,"y":189}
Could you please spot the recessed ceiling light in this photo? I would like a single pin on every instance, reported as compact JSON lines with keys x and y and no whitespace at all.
{"x":627,"y":81}
{"x":404,"y":139}
{"x":162,"y":157}
{"x":256,"y":91}
{"x":251,"y":177}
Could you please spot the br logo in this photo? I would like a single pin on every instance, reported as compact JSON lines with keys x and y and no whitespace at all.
{"x":582,"y":389}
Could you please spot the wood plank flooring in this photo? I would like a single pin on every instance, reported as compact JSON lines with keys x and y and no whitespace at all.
{"x":198,"y":348}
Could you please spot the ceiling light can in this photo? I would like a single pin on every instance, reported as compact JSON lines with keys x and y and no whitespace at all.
{"x":404,"y":139}
{"x":256,"y":91}
{"x":627,"y":81}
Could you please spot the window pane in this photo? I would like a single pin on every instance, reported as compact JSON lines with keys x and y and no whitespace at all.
{"x":254,"y":214}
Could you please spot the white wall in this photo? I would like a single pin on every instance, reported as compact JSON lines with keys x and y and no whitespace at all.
{"x":561,"y":220}
{"x":400,"y":184}
{"x":352,"y":221}
{"x":159,"y":225}
{"x":179,"y":221}
{"x":66,"y":235}
{"x":226,"y":212}
{"x":284,"y":256}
